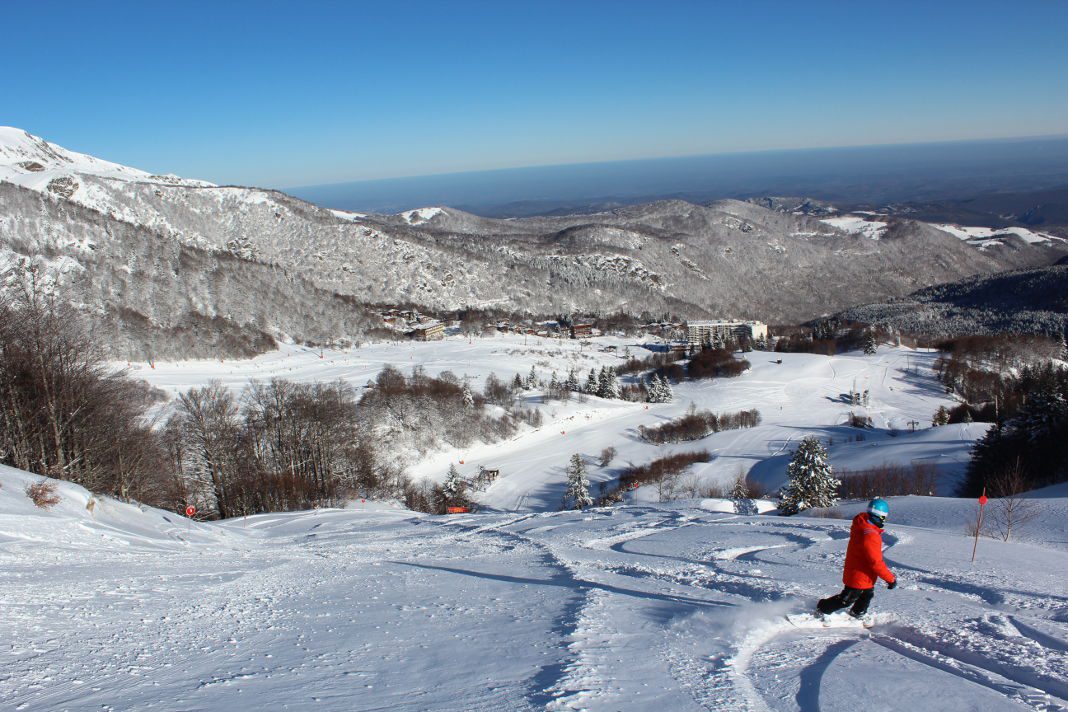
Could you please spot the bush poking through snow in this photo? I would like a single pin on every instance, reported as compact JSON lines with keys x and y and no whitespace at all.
{"x":696,"y":425}
{"x":716,"y":363}
{"x":43,"y":494}
{"x":887,"y":481}
{"x":663,"y":472}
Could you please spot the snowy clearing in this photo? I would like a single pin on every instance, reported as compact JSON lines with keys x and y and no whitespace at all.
{"x":984,"y":236}
{"x":855,"y":224}
{"x":637,"y":608}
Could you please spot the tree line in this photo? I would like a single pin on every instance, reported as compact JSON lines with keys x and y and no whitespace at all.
{"x":66,"y":413}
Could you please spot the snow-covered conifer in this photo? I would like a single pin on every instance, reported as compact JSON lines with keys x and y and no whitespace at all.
{"x":941,"y":416}
{"x":666,"y":394}
{"x":870,"y":344}
{"x":591,"y":387}
{"x":532,"y":378}
{"x":607,"y":383}
{"x":517,"y":383}
{"x":743,"y":503}
{"x":454,"y":488}
{"x":469,"y":397}
{"x":572,"y":383}
{"x":577,"y":495}
{"x":811,"y":480}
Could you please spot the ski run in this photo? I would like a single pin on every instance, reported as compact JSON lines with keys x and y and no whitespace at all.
{"x":676,"y":605}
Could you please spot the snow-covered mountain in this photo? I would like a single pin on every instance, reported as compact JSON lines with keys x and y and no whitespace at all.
{"x":151,"y":255}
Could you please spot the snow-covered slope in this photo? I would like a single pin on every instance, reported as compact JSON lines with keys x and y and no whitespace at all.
{"x":637,"y":608}
{"x":32,"y":162}
{"x":86,"y":522}
{"x":804,"y":395}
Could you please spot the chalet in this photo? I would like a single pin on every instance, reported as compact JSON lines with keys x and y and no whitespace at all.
{"x":581,"y":331}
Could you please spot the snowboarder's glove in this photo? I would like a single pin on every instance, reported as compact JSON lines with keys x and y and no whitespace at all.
{"x":892,"y":585}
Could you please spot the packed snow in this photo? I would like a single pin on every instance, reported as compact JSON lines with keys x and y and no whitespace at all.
{"x":652,"y":607}
{"x":646,"y":606}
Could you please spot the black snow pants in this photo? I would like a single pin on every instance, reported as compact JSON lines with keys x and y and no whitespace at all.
{"x":858,"y":598}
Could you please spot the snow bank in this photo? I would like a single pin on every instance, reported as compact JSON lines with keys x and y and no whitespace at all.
{"x":83,"y":520}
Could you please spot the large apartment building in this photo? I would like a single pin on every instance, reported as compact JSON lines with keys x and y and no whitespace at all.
{"x":710,"y":332}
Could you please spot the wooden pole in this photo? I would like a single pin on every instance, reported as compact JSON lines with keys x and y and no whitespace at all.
{"x":979,"y":523}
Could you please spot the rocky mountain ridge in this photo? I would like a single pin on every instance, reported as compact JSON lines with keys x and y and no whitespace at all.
{"x":101,"y":232}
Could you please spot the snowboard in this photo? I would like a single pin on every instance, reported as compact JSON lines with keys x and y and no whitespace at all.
{"x":834,"y":620}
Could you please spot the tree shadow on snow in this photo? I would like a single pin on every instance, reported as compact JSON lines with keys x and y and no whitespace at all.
{"x":567,"y":582}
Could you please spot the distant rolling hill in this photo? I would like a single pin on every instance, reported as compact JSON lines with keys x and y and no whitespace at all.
{"x":1019,"y":301}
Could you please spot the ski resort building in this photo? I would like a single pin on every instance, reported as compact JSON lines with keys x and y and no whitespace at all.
{"x":428,"y":331}
{"x":581,"y":331}
{"x":710,"y":332}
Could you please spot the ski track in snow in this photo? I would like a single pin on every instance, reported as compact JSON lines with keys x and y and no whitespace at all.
{"x":628,"y":608}
{"x":638,"y":607}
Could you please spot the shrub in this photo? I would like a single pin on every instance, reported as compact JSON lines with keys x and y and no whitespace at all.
{"x":43,"y":494}
{"x":887,"y":481}
{"x":696,"y":425}
{"x":662,"y":469}
{"x":715,"y":363}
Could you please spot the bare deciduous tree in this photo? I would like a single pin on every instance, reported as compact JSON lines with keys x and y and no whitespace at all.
{"x":1010,"y":509}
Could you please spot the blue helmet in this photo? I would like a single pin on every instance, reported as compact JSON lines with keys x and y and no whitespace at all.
{"x":878,"y":511}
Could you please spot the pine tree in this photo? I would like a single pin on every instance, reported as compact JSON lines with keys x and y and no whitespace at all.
{"x":532,"y":379}
{"x":517,"y":383}
{"x":577,"y":495}
{"x":652,"y":389}
{"x":572,"y":383}
{"x":1045,"y":411}
{"x":811,"y":480}
{"x":743,"y":503}
{"x":469,"y":397}
{"x":607,"y":383}
{"x":941,"y":417}
{"x":454,"y":488}
{"x":870,"y":344}
{"x":591,"y":384}
{"x":659,"y":389}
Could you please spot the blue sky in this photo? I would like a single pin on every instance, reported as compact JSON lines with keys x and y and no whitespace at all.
{"x":295,"y":93}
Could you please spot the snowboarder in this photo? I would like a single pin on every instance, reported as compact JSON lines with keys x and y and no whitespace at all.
{"x":864,"y":563}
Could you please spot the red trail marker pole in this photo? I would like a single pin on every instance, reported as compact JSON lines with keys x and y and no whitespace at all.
{"x":979,"y":523}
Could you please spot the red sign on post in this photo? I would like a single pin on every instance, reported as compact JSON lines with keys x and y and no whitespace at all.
{"x":190,"y":511}
{"x":979,"y":522}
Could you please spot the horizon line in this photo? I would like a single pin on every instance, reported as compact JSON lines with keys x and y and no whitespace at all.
{"x":739,"y":152}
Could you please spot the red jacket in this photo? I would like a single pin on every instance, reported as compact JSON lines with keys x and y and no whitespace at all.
{"x":864,"y":557}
